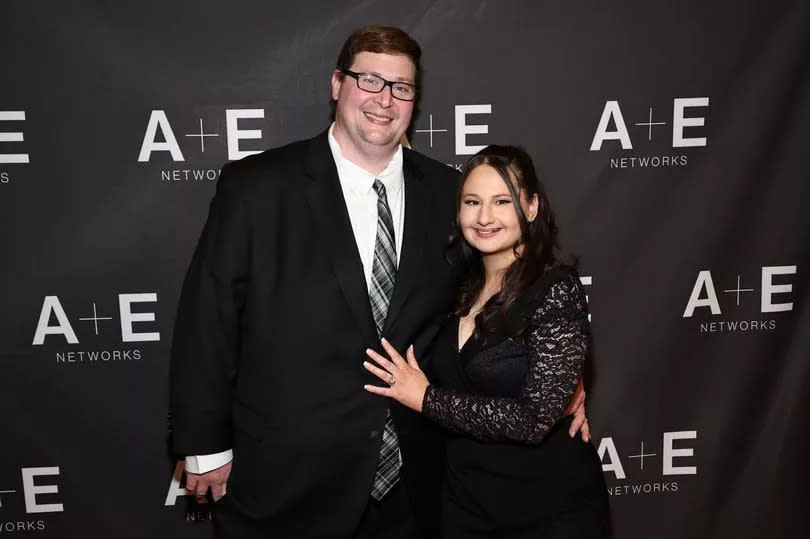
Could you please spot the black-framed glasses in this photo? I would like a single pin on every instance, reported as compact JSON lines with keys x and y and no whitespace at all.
{"x":369,"y":82}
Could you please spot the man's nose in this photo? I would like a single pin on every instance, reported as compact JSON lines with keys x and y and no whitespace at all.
{"x":384,"y":98}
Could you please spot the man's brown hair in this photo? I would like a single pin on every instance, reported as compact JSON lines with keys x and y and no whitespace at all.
{"x":379,"y":39}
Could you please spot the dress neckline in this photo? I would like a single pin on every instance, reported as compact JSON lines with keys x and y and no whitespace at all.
{"x":458,"y":335}
{"x":517,"y":317}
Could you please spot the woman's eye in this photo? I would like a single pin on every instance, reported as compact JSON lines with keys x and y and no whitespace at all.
{"x":471,"y":202}
{"x":502,"y":201}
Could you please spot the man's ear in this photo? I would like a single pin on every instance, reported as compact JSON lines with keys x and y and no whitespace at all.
{"x":337,"y":82}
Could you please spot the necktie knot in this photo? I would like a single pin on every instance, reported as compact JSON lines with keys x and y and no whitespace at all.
{"x":379,"y":188}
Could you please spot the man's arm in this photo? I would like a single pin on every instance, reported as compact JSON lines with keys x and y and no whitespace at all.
{"x":204,"y":358}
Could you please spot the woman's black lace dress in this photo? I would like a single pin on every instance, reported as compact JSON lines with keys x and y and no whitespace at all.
{"x":512,"y":470}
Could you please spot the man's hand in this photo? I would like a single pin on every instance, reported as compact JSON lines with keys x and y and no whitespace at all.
{"x":577,"y":407}
{"x":198,"y":484}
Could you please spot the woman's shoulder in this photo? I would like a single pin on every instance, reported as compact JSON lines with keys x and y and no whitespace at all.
{"x":564,"y":297}
{"x":557,"y":277}
{"x":559,"y":287}
{"x":556,"y":282}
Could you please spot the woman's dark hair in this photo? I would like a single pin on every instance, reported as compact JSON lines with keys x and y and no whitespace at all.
{"x":536,"y":252}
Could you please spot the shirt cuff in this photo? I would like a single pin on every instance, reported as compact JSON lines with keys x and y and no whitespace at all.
{"x":205,"y":463}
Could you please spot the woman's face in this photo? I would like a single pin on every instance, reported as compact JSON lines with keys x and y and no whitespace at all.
{"x":488,"y":218}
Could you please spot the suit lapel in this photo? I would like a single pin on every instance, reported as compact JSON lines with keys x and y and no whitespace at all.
{"x":417,"y":206}
{"x":329,"y":212}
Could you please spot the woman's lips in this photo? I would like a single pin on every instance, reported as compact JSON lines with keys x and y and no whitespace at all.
{"x":487,"y":232}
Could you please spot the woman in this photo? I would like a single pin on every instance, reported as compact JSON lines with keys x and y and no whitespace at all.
{"x":504,"y":367}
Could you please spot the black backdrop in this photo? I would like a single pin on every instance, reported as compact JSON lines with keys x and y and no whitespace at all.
{"x":673,"y":138}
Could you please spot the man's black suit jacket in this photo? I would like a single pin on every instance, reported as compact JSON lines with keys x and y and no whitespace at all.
{"x":273,"y":322}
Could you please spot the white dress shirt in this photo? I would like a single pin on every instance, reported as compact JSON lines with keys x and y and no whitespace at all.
{"x":361,"y":202}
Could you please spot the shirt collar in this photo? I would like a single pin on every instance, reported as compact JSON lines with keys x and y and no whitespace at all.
{"x":361,"y":180}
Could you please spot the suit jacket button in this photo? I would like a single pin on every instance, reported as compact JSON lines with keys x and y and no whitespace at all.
{"x":374,"y":434}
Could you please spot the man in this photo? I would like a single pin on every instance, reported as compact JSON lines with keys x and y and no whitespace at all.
{"x":311,"y":253}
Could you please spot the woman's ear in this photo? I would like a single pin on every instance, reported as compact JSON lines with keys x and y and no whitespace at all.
{"x":532,"y":209}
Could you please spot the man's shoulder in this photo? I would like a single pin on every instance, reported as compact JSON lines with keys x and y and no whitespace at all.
{"x":268,"y":171}
{"x":442,"y":179}
{"x":429,"y":166}
{"x":282,"y":157}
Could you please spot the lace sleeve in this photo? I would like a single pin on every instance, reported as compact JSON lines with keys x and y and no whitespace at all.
{"x":557,"y":341}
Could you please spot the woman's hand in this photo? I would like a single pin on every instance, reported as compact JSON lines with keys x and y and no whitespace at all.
{"x":577,"y":407}
{"x":405,"y":380}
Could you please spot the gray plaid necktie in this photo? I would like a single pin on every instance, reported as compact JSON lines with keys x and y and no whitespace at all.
{"x":383,"y":271}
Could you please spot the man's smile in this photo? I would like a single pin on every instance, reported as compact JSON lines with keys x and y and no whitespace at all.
{"x":377,"y":118}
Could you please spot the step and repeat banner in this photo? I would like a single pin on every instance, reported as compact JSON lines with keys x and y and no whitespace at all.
{"x":673,"y":138}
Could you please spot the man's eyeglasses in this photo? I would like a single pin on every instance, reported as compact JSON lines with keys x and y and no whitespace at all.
{"x":368,"y":82}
